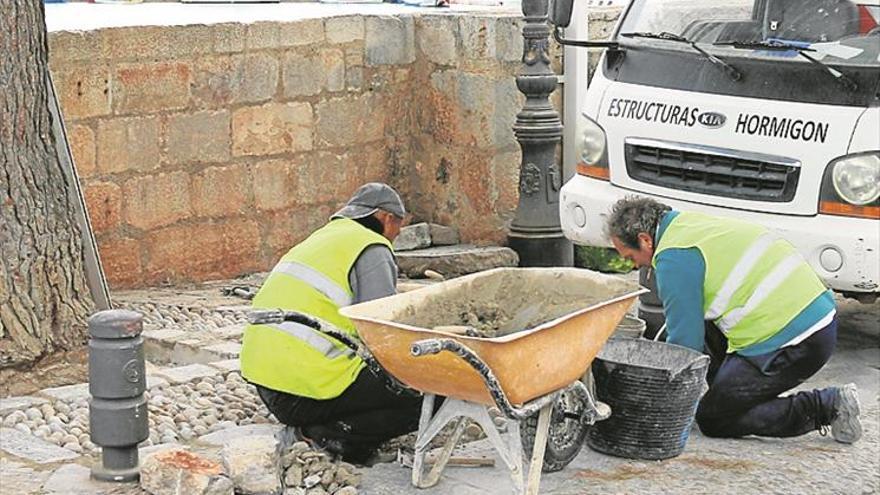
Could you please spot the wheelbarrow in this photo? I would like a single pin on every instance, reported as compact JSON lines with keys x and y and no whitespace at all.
{"x":518,"y":339}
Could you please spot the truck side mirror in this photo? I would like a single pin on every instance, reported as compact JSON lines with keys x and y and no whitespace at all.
{"x":560,"y":12}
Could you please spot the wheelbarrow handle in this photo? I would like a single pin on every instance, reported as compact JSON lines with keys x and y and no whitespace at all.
{"x":426,"y":347}
{"x":276,"y":316}
{"x":434,"y":346}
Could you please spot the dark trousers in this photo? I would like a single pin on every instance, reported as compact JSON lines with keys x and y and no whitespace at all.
{"x":354,"y":424}
{"x":743,"y":396}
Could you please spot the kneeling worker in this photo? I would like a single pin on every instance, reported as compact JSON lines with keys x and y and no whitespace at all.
{"x":308,"y":380}
{"x":760,"y":311}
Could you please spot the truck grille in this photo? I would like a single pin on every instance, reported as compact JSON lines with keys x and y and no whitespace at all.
{"x":715,"y":171}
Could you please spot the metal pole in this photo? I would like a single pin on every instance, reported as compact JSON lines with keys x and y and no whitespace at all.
{"x":535,"y":233}
{"x":117,"y":381}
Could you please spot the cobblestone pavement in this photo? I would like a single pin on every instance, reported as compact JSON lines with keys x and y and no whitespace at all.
{"x":197,"y":399}
{"x":810,"y":464}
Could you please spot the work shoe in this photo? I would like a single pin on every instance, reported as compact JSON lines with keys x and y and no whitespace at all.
{"x":846,"y":426}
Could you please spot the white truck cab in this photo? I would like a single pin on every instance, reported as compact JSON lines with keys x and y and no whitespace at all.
{"x":764,"y":110}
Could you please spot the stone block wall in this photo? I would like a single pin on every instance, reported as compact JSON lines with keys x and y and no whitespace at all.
{"x":206,"y":151}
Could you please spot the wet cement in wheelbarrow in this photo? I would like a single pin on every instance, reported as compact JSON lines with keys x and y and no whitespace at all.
{"x":497,"y":306}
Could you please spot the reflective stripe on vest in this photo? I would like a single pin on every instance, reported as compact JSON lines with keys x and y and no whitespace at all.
{"x":312,"y":338}
{"x":767,"y":285}
{"x":316,"y":280}
{"x":736,"y":277}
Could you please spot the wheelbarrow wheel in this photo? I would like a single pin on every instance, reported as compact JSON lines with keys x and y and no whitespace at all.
{"x":566,"y":435}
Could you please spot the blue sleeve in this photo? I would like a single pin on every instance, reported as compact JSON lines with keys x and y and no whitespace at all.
{"x":680,"y":274}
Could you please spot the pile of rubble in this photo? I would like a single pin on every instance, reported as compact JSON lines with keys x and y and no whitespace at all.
{"x":250,"y":465}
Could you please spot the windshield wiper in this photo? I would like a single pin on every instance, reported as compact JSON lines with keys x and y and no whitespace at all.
{"x":731,"y":71}
{"x":779,"y":46}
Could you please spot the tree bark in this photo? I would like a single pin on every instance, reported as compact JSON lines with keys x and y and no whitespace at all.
{"x":44,"y":297}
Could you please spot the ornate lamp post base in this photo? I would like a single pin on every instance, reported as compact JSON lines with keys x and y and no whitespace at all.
{"x":535,"y":233}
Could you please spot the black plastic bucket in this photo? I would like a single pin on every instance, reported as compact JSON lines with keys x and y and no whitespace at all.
{"x":653,"y":389}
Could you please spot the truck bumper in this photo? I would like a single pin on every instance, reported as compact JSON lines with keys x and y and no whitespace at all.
{"x":845,"y":252}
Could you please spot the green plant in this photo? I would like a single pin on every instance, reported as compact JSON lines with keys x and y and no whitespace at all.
{"x":601,"y":259}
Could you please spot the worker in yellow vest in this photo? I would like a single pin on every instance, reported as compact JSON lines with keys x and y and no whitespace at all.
{"x":749,"y":300}
{"x":308,"y":380}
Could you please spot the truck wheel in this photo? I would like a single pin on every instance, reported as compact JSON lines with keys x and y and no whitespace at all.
{"x":565,"y":436}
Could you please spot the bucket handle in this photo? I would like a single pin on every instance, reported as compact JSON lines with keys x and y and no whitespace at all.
{"x":673,"y":373}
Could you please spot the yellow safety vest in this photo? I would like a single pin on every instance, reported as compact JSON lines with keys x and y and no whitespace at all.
{"x":311,"y":278}
{"x":755,"y":282}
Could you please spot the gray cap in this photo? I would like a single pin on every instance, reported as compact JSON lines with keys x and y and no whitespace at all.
{"x":370,"y":197}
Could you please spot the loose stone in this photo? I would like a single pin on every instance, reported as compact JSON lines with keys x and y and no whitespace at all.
{"x":33,"y":413}
{"x":312,"y":480}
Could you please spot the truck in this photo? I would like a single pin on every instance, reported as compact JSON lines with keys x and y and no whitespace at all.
{"x":762,"y":110}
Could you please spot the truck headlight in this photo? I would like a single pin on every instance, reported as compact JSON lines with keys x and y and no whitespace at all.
{"x":856,"y":179}
{"x":591,"y":150}
{"x":851,"y":186}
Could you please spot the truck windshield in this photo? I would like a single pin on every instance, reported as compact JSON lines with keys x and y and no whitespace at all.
{"x":818,"y":38}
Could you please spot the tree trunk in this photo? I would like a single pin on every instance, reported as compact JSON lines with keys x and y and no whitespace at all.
{"x":44,"y":298}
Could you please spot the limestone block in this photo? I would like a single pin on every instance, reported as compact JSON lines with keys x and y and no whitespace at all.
{"x":75,"y":46}
{"x":309,"y":75}
{"x":67,"y":393}
{"x":452,"y":261}
{"x":221,"y":191}
{"x":31,"y":448}
{"x":416,"y":236}
{"x":104,"y":200}
{"x":350,"y":120}
{"x":191,"y":351}
{"x":219,"y":82}
{"x":436,"y":37}
{"x":9,"y":404}
{"x":128,"y":143}
{"x":344,"y":29}
{"x":275,"y":184}
{"x":121,"y":259}
{"x":272,"y":128}
{"x":230,"y":332}
{"x":256,"y":76}
{"x":180,"y":472}
{"x":253,"y":464}
{"x":229,"y":37}
{"x":226,"y":248}
{"x":183,"y":374}
{"x":73,"y":479}
{"x":303,"y":32}
{"x":508,"y":39}
{"x":82,"y":146}
{"x":151,"y":87}
{"x":156,"y":200}
{"x":83,"y":91}
{"x":262,"y":35}
{"x":442,"y":235}
{"x":198,"y":137}
{"x":477,"y":36}
{"x":227,"y":366}
{"x":390,"y":40}
{"x":24,"y":479}
{"x":157,"y":42}
{"x":223,"y":437}
{"x":507,"y":102}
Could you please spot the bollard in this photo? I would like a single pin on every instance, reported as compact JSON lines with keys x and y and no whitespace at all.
{"x":117,"y":381}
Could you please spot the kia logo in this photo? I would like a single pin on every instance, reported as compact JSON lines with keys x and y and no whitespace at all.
{"x":712,"y":120}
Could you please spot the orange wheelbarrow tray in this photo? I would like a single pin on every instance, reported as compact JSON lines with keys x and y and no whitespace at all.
{"x":546,"y":326}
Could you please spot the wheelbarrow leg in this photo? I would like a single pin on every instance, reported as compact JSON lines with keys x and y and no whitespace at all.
{"x":429,"y":427}
{"x":537,"y":461}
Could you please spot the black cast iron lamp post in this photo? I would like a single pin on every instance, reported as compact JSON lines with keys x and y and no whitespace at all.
{"x":535,"y":233}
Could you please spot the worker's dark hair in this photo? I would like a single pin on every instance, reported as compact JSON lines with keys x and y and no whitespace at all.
{"x":372,"y":223}
{"x":633,"y":215}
